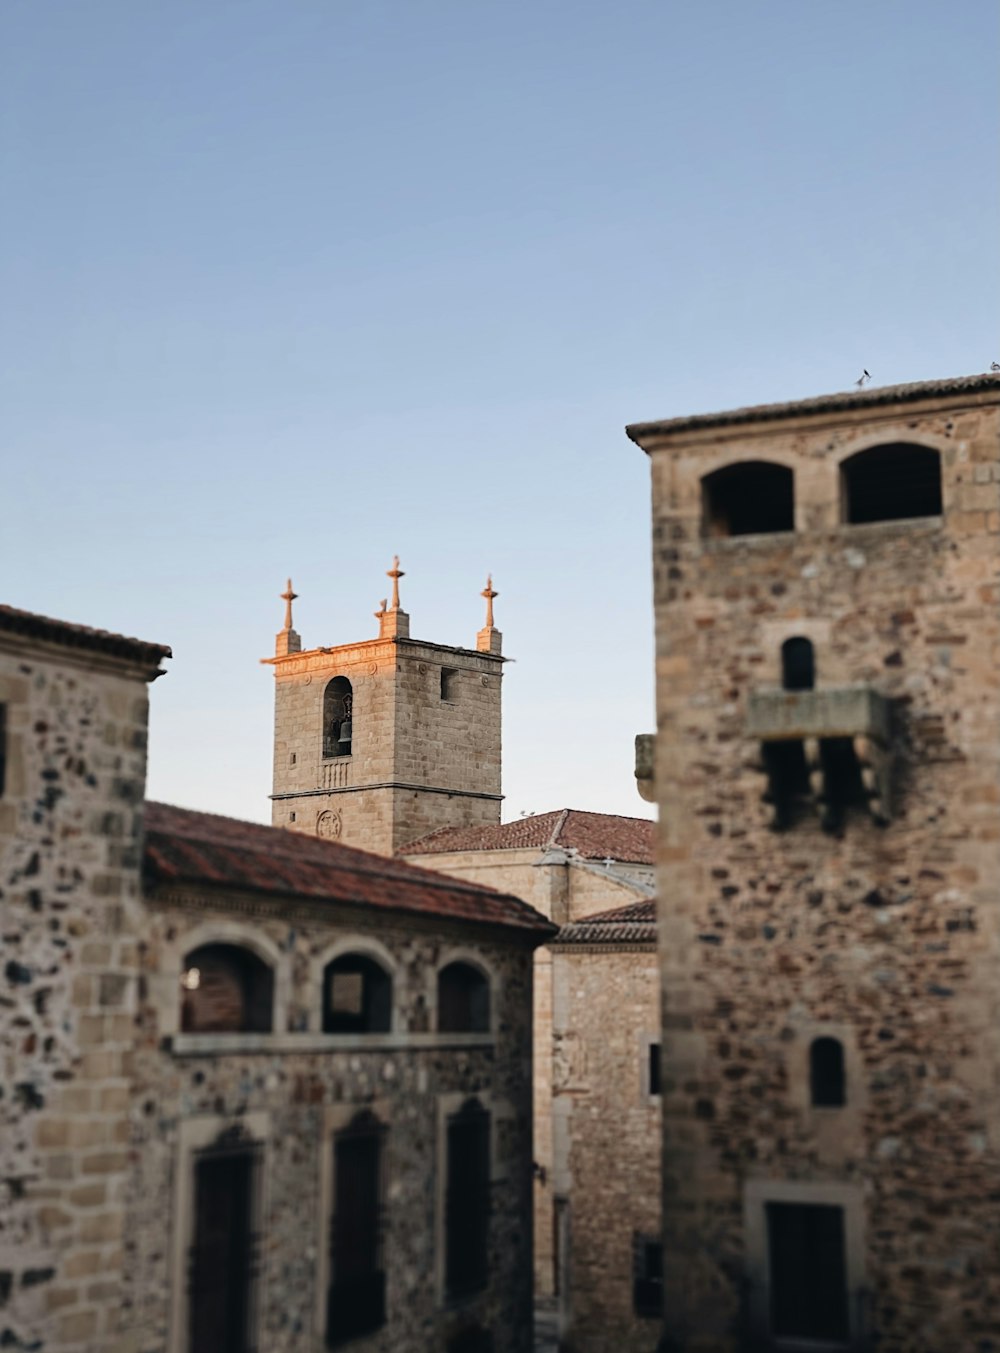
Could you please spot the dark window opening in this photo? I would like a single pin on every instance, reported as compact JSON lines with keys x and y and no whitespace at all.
{"x":357,"y":996}
{"x":647,"y":1285}
{"x":754,"y":497}
{"x":843,"y":786}
{"x":889,"y":483}
{"x":826,"y":1073}
{"x":356,"y":1295}
{"x":788,"y":787}
{"x":223,"y":1257}
{"x":472,"y":1340}
{"x":338,"y":721}
{"x":463,"y":999}
{"x":449,"y":683}
{"x":654,"y":1068}
{"x":808,"y":1267}
{"x":467,"y":1201}
{"x":798,"y":665}
{"x":226,"y":989}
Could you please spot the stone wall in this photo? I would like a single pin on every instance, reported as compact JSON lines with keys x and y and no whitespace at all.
{"x":69,"y":884}
{"x":285,"y":1086}
{"x":885,"y":936}
{"x":606,"y":1012}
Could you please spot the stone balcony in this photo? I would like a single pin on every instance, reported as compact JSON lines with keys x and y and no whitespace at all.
{"x":841,"y":712}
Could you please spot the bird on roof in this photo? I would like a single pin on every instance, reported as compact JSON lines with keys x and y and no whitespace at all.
{"x":862,"y":379}
{"x":995,"y":366}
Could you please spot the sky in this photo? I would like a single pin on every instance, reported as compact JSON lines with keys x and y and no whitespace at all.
{"x":291,"y":286}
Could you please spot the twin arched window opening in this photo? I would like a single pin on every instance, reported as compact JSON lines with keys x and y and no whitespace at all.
{"x":883,"y":483}
{"x":338,"y":717}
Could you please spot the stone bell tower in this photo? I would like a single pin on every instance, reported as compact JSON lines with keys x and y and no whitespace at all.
{"x":379,"y":742}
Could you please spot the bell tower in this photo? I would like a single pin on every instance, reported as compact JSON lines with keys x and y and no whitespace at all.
{"x":379,"y":742}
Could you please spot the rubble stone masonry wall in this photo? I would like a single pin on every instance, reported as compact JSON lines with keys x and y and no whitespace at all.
{"x":886,"y":936}
{"x":606,"y":1012}
{"x":69,"y":897}
{"x":289,"y":1087}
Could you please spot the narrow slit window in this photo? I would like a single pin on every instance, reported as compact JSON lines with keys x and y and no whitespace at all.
{"x":891,"y":483}
{"x":827,"y":1081}
{"x":754,"y":497}
{"x":3,"y":749}
{"x":654,"y":1068}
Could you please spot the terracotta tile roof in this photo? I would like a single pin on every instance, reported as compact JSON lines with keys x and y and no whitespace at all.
{"x":594,"y":836}
{"x":183,"y":846}
{"x":632,"y":924}
{"x":873,"y":397}
{"x":81,"y":636}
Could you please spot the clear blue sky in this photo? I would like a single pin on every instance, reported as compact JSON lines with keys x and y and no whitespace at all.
{"x":291,"y":285}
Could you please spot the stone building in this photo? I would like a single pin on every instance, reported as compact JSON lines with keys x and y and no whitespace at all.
{"x":567,"y":864}
{"x":73,"y":717}
{"x":827,"y":579}
{"x":331,"y":1099}
{"x":381,"y":741}
{"x":606,"y":1115}
{"x":259,"y":1091}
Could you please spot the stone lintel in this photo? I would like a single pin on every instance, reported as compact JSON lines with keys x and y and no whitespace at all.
{"x":841,"y":712}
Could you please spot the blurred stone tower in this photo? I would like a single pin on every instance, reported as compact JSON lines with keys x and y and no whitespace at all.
{"x":382,"y":741}
{"x":827,"y":584}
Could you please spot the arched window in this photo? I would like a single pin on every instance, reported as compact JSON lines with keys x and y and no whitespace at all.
{"x":888,"y":483}
{"x":798,"y":666}
{"x":357,"y":996}
{"x":338,"y":723}
{"x":463,"y":999}
{"x":750,"y":498}
{"x":356,"y":1294}
{"x":226,"y":989}
{"x":826,"y":1073}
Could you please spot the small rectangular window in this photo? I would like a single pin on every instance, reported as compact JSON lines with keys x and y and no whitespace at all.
{"x":808,"y":1267}
{"x":647,"y":1289}
{"x":654,"y":1068}
{"x":292,"y":756}
{"x":449,"y":684}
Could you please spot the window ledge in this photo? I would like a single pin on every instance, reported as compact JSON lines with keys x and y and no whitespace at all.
{"x":209,"y":1045}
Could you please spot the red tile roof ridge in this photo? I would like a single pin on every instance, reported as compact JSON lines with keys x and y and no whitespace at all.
{"x":80,"y":636}
{"x":565,"y":828}
{"x":632,"y":924}
{"x":234,"y":844}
